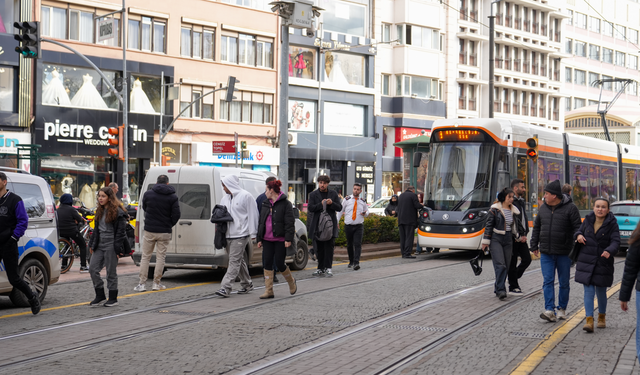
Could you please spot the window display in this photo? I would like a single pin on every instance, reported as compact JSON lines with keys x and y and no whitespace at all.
{"x":344,"y":68}
{"x":9,"y":12}
{"x":343,"y":17}
{"x":391,"y":183}
{"x":302,"y":62}
{"x":77,"y":87}
{"x":7,"y":97}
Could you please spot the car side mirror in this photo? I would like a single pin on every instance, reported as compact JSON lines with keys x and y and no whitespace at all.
{"x":296,"y":213}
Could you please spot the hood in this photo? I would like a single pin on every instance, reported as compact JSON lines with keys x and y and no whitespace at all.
{"x":232,"y":183}
{"x":566,"y":198}
{"x":66,"y":199}
{"x":164,"y":189}
{"x":391,"y":200}
{"x":591,"y":218}
{"x":514,"y":209}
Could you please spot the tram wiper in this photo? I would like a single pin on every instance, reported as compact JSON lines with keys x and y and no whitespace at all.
{"x":464,"y":199}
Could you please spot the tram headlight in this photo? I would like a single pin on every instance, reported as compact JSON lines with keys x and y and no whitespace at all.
{"x":464,"y":230}
{"x":427,"y":228}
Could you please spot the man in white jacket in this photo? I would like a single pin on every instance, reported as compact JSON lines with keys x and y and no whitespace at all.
{"x":244,"y":227}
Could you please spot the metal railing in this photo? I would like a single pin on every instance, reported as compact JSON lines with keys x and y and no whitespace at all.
{"x":462,"y":102}
{"x":508,"y":21}
{"x":517,"y":64}
{"x":535,"y":26}
{"x":473,"y":61}
{"x":516,"y":108}
{"x":463,"y":58}
{"x":526,"y":67}
{"x":556,"y":115}
{"x":472,"y":104}
{"x":518,"y":23}
{"x":496,"y":106}
{"x":527,"y":25}
{"x":463,"y":14}
{"x":505,"y":107}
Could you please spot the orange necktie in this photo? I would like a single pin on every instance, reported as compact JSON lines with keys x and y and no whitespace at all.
{"x":355,"y":209}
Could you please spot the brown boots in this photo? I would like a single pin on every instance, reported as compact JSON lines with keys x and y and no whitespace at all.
{"x":588,"y":326}
{"x":268,"y":283}
{"x":601,"y":321}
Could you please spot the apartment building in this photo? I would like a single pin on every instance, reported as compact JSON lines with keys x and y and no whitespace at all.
{"x":196,"y":46}
{"x":602,"y":39}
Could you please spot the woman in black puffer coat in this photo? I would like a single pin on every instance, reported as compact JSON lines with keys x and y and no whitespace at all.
{"x":600,"y":238}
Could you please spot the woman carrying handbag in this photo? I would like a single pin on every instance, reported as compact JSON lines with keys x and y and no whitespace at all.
{"x":599,"y":237}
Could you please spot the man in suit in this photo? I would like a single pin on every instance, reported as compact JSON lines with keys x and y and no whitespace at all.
{"x":408,"y":207}
{"x":317,"y":200}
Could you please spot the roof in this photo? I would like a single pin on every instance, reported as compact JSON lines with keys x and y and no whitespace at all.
{"x":422,"y":140}
{"x":625,"y":114}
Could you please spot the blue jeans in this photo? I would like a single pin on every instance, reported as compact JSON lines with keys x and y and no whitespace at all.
{"x":549,"y":265}
{"x":591,"y":291}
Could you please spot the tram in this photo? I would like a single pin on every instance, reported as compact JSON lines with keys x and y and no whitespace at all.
{"x":470,"y":160}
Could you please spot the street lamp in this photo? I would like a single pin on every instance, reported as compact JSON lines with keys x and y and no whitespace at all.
{"x":492,"y":31}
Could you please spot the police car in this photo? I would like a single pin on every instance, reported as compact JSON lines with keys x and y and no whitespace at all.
{"x":39,"y":262}
{"x":628,"y":215}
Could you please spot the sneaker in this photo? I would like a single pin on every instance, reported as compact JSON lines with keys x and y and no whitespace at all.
{"x":158,"y":287}
{"x":356,"y":267}
{"x":140,"y":288}
{"x":516,"y":290}
{"x":318,"y":272}
{"x":84,"y":269}
{"x":246,"y":289}
{"x":548,"y":315}
{"x":502,"y":295}
{"x":329,"y":273}
{"x":222,"y":293}
{"x":561,"y":314}
{"x":350,"y":265}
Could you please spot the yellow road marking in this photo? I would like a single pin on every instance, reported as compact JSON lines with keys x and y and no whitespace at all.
{"x":529,"y":364}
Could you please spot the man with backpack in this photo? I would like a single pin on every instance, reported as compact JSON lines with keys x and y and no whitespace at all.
{"x":322,"y":224}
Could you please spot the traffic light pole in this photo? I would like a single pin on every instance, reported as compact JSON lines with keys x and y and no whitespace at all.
{"x":125,"y":106}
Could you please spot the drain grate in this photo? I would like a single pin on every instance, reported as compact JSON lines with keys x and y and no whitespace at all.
{"x":530,"y":335}
{"x":416,"y":328}
{"x":187,"y":313}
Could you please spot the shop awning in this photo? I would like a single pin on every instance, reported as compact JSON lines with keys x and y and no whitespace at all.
{"x":420,"y":141}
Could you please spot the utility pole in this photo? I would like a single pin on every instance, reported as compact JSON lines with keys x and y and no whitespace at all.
{"x":125,"y":107}
{"x":161,"y":116}
{"x":492,"y":32}
{"x":283,"y":170}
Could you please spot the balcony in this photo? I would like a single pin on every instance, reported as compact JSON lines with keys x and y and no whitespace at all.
{"x":516,"y":108}
{"x":499,"y":19}
{"x":543,"y":30}
{"x":556,"y":37}
{"x":526,"y":67}
{"x":517,"y":65}
{"x":472,"y":104}
{"x":556,"y":115}
{"x":518,"y":23}
{"x":473,"y":16}
{"x":525,"y":110}
{"x":463,"y":58}
{"x":533,"y":111}
{"x":505,"y":107}
{"x":534,"y":68}
{"x":507,"y":64}
{"x":498,"y":63}
{"x":543,"y":70}
{"x":463,"y":14}
{"x":527,"y":25}
{"x":556,"y":75}
{"x":496,"y":106}
{"x":542,"y":112}
{"x":462,"y":102}
{"x":473,"y":59}
{"x":508,"y":21}
{"x":535,"y":27}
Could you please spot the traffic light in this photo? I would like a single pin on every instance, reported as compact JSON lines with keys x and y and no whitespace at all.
{"x":532,"y":148}
{"x":29,"y":38}
{"x":116,"y":140}
{"x":130,"y":137}
{"x":231,"y":86}
{"x":243,"y":145}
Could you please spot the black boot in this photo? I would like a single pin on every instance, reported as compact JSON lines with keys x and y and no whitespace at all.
{"x":35,"y":304}
{"x":100,"y":298}
{"x":113,"y":299}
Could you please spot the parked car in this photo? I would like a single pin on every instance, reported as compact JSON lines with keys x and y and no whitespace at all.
{"x":628,"y":215}
{"x":199,"y":189}
{"x":39,"y":262}
{"x":377,"y":207}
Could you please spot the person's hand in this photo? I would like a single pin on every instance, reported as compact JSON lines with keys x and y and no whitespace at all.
{"x":393,"y":212}
{"x":581,"y":239}
{"x":536,"y":252}
{"x":287,"y":243}
{"x":362,"y":213}
{"x":624,"y":305}
{"x":484,"y":247}
{"x":523,"y":239}
{"x":260,"y":244}
{"x":329,"y":202}
{"x":605,"y":255}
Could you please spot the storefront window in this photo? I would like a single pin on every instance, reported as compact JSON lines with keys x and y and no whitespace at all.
{"x":145,"y":95}
{"x":343,"y":17}
{"x":343,"y":119}
{"x":302,"y":116}
{"x":79,"y":176}
{"x":68,"y":86}
{"x":7,"y":85}
{"x":9,"y":12}
{"x":344,"y":68}
{"x":302,"y":62}
{"x":391,"y":183}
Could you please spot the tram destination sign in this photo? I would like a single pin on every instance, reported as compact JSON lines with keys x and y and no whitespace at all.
{"x":223,"y":147}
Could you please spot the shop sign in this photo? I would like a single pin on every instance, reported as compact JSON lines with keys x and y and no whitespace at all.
{"x":402,"y":134}
{"x":106,"y":29}
{"x":202,"y":153}
{"x":364,"y":173}
{"x":9,"y":141}
{"x":85,"y":134}
{"x":343,"y":119}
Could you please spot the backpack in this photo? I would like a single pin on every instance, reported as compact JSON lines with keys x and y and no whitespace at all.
{"x":324,"y":232}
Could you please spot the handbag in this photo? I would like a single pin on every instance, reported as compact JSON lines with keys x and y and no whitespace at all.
{"x":575,"y":252}
{"x":476,"y":264}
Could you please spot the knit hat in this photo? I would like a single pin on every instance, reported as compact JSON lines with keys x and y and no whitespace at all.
{"x":554,"y":188}
{"x":66,"y":199}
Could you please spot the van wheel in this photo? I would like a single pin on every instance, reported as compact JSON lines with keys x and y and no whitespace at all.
{"x":301,"y":256}
{"x":35,"y":275}
{"x":152,"y":270}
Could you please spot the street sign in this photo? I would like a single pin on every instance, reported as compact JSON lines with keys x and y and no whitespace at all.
{"x":106,"y":29}
{"x":224,"y":147}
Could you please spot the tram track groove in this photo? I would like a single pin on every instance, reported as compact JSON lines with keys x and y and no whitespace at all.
{"x":186,"y":322}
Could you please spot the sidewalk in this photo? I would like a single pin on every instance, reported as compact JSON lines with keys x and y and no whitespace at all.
{"x":370,"y":251}
{"x":125,"y":267}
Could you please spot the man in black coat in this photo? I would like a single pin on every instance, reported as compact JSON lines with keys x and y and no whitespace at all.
{"x":324,"y":249}
{"x":520,"y":247}
{"x":161,"y":213}
{"x":553,"y":233}
{"x":408,"y":207}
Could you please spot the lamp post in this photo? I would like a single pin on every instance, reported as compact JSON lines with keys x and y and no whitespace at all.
{"x":492,"y":31}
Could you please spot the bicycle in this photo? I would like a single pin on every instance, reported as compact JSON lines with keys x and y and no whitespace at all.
{"x":69,"y":250}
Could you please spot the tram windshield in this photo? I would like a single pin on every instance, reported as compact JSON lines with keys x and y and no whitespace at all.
{"x":460,"y":176}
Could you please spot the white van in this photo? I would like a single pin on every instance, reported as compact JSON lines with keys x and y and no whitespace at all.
{"x":199,"y":189}
{"x":39,"y":262}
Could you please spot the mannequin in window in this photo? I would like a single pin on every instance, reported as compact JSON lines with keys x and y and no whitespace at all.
{"x":300,"y":64}
{"x":88,"y":96}
{"x":54,"y":92}
{"x":67,"y":183}
{"x":139,"y":100}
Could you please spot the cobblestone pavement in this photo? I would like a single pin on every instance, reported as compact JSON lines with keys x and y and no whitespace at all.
{"x":241,"y":333}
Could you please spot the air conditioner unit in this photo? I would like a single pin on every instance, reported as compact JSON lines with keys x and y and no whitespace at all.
{"x":293,"y":139}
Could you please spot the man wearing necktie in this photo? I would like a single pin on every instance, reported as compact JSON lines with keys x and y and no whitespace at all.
{"x":354,"y":210}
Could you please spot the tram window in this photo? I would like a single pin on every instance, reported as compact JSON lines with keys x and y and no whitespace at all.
{"x":607,"y":183}
{"x":631,"y":183}
{"x":580,"y":183}
{"x":549,"y":170}
{"x":594,"y":183}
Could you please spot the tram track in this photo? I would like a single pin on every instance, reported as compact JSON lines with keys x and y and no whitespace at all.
{"x":76,"y":347}
{"x":424,"y":349}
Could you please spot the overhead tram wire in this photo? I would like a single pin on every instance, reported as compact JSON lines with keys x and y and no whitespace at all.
{"x":612,"y":25}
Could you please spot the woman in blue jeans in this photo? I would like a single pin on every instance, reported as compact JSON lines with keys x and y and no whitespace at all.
{"x":600,"y":238}
{"x":631,"y":276}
